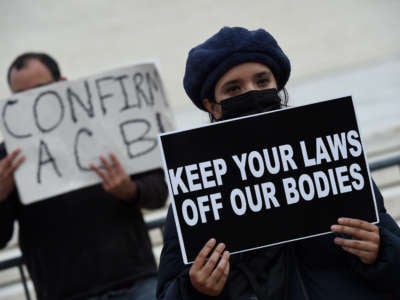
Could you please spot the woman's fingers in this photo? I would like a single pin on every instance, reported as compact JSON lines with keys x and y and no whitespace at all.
{"x":365,"y":241}
{"x":208,"y":273}
{"x":214,"y":258}
{"x":203,"y":254}
{"x":221,"y":272}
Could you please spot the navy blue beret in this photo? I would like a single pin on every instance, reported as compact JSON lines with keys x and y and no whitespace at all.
{"x":229,"y":47}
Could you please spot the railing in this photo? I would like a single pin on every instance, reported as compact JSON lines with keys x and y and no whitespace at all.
{"x":385,"y":163}
{"x":18,"y":262}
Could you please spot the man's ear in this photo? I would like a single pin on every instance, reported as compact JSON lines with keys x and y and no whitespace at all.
{"x":213,"y":108}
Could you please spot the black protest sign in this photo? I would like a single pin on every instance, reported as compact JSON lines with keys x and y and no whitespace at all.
{"x":64,"y":127}
{"x":269,"y":178}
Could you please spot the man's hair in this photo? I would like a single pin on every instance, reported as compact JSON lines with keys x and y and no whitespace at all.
{"x":20,"y":63}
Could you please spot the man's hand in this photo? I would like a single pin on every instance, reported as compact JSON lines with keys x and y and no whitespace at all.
{"x":115,"y":180}
{"x":8,"y":165}
{"x":365,"y":238}
{"x":209,"y":276}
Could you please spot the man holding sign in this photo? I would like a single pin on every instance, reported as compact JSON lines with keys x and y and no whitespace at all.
{"x":89,"y":242}
{"x":237,"y":73}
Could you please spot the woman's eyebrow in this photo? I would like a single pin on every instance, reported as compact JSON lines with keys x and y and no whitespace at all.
{"x":230,"y":82}
{"x":262,"y":74}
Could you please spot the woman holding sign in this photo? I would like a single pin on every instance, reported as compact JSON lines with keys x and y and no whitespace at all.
{"x":238,"y":72}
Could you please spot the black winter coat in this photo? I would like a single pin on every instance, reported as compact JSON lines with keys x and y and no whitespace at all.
{"x":311,"y":269}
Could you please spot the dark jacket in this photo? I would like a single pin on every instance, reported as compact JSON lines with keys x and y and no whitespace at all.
{"x":86,"y":241}
{"x":310,"y":269}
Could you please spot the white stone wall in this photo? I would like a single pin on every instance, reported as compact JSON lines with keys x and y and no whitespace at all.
{"x":94,"y":35}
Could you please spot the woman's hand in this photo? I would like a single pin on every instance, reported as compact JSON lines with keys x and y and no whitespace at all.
{"x":209,"y":276}
{"x":365,"y":240}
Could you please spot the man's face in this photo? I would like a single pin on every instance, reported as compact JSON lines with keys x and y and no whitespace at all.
{"x":33,"y":74}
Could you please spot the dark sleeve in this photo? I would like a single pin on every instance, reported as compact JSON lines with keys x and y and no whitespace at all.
{"x":384,"y":274}
{"x":7,"y":217}
{"x":152,"y":189}
{"x":173,"y":274}
{"x":7,"y":212}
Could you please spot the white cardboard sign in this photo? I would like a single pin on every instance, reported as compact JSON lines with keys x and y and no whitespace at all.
{"x":63,"y":127}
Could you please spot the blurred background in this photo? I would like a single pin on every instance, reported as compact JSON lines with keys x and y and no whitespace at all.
{"x":337,"y":48}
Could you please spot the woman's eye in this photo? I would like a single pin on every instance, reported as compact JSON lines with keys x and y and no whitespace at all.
{"x":232,"y":89}
{"x":263,"y":82}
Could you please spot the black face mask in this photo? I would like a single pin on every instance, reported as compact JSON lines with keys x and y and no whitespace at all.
{"x":249,"y":103}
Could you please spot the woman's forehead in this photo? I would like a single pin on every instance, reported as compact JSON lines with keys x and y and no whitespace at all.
{"x":243,"y":71}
